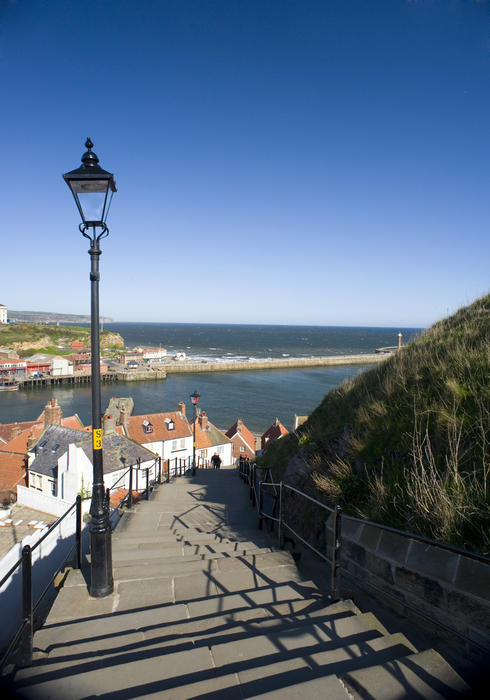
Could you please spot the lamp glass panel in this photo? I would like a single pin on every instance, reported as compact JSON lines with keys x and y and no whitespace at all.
{"x":92,"y":205}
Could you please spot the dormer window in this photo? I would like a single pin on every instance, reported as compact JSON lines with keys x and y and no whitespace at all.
{"x":147,"y":426}
{"x":170,"y":424}
{"x":43,"y":444}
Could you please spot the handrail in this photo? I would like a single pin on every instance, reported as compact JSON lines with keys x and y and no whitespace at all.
{"x":411,"y":535}
{"x":55,"y":524}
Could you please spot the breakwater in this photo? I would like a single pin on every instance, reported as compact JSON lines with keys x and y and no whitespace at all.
{"x":278,"y":363}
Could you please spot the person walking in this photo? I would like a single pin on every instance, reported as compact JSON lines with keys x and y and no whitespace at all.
{"x":216,"y":461}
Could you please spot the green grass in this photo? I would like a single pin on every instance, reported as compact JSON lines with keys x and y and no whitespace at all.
{"x":407,"y":443}
{"x":12,"y":334}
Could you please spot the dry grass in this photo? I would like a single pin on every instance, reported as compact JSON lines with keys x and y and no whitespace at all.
{"x":407,"y":443}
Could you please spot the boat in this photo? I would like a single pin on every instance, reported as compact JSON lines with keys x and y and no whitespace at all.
{"x":8,"y":385}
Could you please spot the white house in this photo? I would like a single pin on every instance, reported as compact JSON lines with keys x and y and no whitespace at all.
{"x":3,"y":313}
{"x":60,"y":466}
{"x":168,"y":435}
{"x":60,"y":366}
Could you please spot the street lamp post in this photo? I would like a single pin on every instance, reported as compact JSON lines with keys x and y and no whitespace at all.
{"x":93,"y":188}
{"x":195,"y":400}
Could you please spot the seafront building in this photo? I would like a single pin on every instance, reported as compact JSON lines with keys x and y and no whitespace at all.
{"x":3,"y":313}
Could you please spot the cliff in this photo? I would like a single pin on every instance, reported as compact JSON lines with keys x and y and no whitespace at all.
{"x":29,"y":338}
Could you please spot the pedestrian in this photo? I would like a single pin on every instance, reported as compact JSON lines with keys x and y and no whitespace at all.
{"x":216,"y":461}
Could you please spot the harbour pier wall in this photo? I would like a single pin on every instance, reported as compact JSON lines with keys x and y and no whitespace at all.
{"x":279,"y":363}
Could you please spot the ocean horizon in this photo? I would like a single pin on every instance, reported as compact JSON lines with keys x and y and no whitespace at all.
{"x":256,"y":396}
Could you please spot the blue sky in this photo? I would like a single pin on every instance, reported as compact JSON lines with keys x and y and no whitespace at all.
{"x":278,"y":161}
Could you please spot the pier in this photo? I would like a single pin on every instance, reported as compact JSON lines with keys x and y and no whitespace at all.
{"x":279,"y":363}
{"x":147,"y":374}
{"x":65,"y":379}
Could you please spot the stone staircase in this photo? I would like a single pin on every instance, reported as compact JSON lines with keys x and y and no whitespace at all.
{"x":206,"y":606}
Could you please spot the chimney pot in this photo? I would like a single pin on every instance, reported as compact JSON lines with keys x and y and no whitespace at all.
{"x":181,"y":407}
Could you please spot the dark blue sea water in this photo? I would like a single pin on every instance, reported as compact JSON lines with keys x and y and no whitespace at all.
{"x":256,"y":396}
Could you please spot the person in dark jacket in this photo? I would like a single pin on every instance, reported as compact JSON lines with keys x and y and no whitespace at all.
{"x":216,"y":461}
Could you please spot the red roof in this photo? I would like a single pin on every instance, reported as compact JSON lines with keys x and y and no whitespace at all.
{"x":18,"y":443}
{"x":12,"y":471}
{"x":239,"y":428}
{"x":276,"y":431}
{"x":134,"y":427}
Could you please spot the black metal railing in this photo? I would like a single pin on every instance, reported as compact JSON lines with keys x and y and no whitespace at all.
{"x":22,"y":639}
{"x":252,"y":475}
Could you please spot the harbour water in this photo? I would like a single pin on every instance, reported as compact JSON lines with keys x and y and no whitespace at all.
{"x":255,"y":396}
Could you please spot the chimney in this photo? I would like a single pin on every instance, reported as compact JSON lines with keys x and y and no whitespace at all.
{"x":239,"y":424}
{"x":203,"y":420}
{"x":400,"y":335}
{"x":181,"y":407}
{"x":52,"y":413}
{"x":122,"y":415}
{"x":30,"y":441}
{"x":109,"y":424}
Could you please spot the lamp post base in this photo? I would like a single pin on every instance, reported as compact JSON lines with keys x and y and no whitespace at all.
{"x":101,"y":580}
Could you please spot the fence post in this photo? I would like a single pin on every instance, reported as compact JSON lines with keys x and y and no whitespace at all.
{"x":336,"y":542}
{"x":79,"y":531}
{"x":261,"y":503}
{"x":159,"y":470}
{"x":147,"y":484}
{"x":107,"y":500}
{"x":251,"y":482}
{"x":168,"y":470}
{"x":130,"y":494}
{"x":25,"y":646}
{"x":279,"y":526}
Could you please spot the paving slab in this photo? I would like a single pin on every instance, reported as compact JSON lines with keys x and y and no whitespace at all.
{"x":422,"y":675}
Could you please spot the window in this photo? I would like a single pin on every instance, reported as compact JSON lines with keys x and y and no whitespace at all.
{"x":242,"y":449}
{"x":147,"y":426}
{"x":220,"y":449}
{"x":55,"y":447}
{"x":169,"y":423}
{"x":182,"y":444}
{"x":174,"y":444}
{"x":52,"y":486}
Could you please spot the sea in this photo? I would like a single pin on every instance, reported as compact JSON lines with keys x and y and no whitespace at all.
{"x":256,"y":396}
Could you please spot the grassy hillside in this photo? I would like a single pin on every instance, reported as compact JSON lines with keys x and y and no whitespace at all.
{"x":407,"y":443}
{"x":30,"y":338}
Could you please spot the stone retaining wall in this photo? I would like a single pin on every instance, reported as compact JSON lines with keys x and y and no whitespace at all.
{"x":420,"y":581}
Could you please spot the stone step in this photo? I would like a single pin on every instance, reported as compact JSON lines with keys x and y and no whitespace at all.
{"x":167,"y":549}
{"x":121,"y":559}
{"x":256,"y":563}
{"x":302,"y":672}
{"x":221,"y":581}
{"x":422,"y":675}
{"x":176,"y":666}
{"x":327,"y":687}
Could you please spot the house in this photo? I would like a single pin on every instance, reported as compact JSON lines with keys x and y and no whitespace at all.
{"x":168,"y":435}
{"x":209,"y":441}
{"x":12,"y":473}
{"x":3,"y":313}
{"x":61,"y":366}
{"x":151,"y":355}
{"x":243,"y":440}
{"x":274,"y":432}
{"x":60,"y":463}
{"x":13,"y":369}
{"x":17,"y":437}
